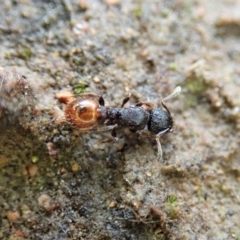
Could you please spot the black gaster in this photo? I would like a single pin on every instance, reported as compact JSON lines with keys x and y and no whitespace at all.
{"x":135,"y":118}
{"x":160,"y":120}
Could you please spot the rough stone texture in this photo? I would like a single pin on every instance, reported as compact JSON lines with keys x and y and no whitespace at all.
{"x":59,"y":183}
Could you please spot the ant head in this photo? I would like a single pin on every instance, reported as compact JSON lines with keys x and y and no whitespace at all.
{"x":160,"y":121}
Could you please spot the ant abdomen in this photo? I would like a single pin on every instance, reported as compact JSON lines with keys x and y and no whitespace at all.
{"x":83,"y":112}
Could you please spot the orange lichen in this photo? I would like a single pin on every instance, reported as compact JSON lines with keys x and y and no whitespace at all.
{"x":65,"y":96}
{"x":13,"y":216}
{"x":3,"y":160}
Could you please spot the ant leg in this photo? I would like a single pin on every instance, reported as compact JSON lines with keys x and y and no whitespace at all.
{"x":125,"y":100}
{"x":95,"y":129}
{"x":163,"y":132}
{"x":114,"y":134}
{"x":101,"y":101}
{"x":147,"y":106}
{"x":157,"y":139}
{"x":159,"y":150}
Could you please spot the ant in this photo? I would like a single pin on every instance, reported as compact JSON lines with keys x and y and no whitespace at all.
{"x":88,"y":110}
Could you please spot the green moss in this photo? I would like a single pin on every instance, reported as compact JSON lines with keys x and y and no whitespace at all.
{"x":196,"y":86}
{"x":172,"y":199}
{"x":237,"y":236}
{"x":171,"y":207}
{"x":225,"y":189}
{"x":191,"y":100}
{"x":34,"y":159}
{"x":137,"y":12}
{"x":173,"y":66}
{"x":164,"y":13}
{"x":25,"y":53}
{"x":80,"y":87}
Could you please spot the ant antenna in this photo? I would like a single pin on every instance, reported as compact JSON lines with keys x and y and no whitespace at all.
{"x":176,"y":91}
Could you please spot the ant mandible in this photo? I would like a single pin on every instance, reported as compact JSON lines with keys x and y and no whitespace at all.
{"x":88,"y":110}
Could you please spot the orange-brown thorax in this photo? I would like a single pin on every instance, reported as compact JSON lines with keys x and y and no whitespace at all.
{"x":83,"y":112}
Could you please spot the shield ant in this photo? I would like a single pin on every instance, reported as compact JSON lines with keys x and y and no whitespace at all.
{"x":88,"y":110}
